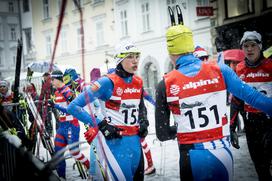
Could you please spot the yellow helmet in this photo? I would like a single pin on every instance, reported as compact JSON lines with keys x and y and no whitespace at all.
{"x":179,"y":40}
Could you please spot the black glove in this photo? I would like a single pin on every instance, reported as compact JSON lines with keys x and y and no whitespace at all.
{"x":173,"y":132}
{"x":234,"y":139}
{"x":143,"y":131}
{"x":109,"y":131}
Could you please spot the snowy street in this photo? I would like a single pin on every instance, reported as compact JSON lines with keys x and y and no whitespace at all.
{"x":166,"y":158}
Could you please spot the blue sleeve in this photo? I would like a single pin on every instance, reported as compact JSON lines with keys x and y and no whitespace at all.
{"x":104,"y":92}
{"x":60,"y":108}
{"x":245,"y":92}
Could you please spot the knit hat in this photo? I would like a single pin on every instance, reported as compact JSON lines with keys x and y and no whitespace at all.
{"x":252,"y":36}
{"x":179,"y":40}
{"x":123,"y":49}
{"x":57,"y":74}
{"x":200,"y":52}
{"x":3,"y":83}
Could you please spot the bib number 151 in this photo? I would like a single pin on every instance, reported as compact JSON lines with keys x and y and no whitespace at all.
{"x":201,"y":114}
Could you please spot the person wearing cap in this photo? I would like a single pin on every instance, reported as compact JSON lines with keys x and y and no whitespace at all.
{"x":69,"y":128}
{"x":201,"y":53}
{"x":4,"y":90}
{"x":147,"y":152}
{"x":46,"y":91}
{"x":256,"y":70}
{"x":126,"y":116}
{"x":195,"y":94}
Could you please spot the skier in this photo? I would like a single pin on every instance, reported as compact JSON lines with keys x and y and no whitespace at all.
{"x":71,"y":79}
{"x":256,"y":71}
{"x":195,"y":93}
{"x":4,"y":90}
{"x":122,"y":92}
{"x":68,"y":131}
{"x":201,"y":53}
{"x":45,"y":111}
{"x":147,"y":152}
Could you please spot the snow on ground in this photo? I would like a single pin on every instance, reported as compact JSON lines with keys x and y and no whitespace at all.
{"x":166,"y":157}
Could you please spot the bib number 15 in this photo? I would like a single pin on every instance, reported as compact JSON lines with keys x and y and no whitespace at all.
{"x":201,"y":114}
{"x":130,"y":116}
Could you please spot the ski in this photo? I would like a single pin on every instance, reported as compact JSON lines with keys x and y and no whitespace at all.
{"x":47,"y":142}
{"x":101,"y":168}
{"x":17,"y":72}
{"x":81,"y":170}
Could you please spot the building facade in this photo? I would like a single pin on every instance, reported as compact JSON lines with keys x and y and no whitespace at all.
{"x":233,"y":18}
{"x":146,"y":21}
{"x":98,"y":30}
{"x":10,"y":32}
{"x":107,"y":22}
{"x":29,"y":51}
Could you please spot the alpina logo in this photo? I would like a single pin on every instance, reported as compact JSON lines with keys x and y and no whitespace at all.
{"x":132,"y":90}
{"x":200,"y":83}
{"x":119,"y":91}
{"x":174,"y":89}
{"x":258,"y":74}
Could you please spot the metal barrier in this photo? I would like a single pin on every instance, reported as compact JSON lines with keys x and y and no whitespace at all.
{"x":18,"y":164}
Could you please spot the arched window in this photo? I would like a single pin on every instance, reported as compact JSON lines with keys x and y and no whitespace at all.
{"x":151,"y":78}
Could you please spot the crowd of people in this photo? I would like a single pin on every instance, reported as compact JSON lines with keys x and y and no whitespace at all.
{"x":117,"y":123}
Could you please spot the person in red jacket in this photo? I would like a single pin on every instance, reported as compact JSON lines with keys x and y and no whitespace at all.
{"x":68,"y":131}
{"x":256,"y":71}
{"x":4,"y":90}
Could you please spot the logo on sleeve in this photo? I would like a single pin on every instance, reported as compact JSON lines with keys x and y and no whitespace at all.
{"x":95,"y":86}
{"x":119,"y":91}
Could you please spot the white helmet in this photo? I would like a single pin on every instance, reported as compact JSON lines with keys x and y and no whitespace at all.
{"x":123,"y":49}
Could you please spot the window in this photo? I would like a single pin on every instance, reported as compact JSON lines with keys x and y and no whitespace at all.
{"x":80,"y":3}
{"x":1,"y":32}
{"x":150,"y":77}
{"x":13,"y":34}
{"x":64,"y":42}
{"x":48,"y":45}
{"x":11,"y":7}
{"x":268,"y":4}
{"x":59,"y":2}
{"x":202,"y":3}
{"x":45,"y":9}
{"x":13,"y":57}
{"x":238,"y":8}
{"x":145,"y":16}
{"x":124,"y":23}
{"x":100,"y":33}
{"x":25,"y":5}
{"x":79,"y":34}
{"x":1,"y":57}
{"x":28,"y":38}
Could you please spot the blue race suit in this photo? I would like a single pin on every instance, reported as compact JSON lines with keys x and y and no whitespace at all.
{"x":209,"y":159}
{"x":124,"y":155}
{"x":68,"y":131}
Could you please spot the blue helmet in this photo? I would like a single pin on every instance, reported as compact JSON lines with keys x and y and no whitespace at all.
{"x":69,"y":76}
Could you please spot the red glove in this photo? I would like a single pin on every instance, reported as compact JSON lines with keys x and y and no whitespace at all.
{"x":90,"y":134}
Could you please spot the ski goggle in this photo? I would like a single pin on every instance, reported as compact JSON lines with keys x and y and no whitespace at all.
{"x":67,"y":79}
{"x":128,"y":55}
